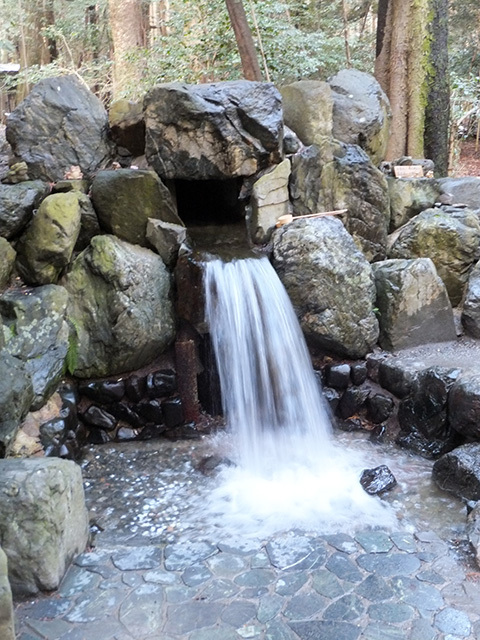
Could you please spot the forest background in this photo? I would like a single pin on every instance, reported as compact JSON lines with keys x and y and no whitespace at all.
{"x":122,"y":48}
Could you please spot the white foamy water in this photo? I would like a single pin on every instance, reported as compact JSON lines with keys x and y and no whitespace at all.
{"x":289,"y":471}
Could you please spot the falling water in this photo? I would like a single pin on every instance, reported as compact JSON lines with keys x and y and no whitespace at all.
{"x":289,"y":471}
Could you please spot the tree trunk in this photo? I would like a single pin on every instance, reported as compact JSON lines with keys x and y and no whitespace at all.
{"x":398,"y":81}
{"x":384,"y":41}
{"x":126,"y":22}
{"x":243,"y":36}
{"x":418,"y":60}
{"x":438,"y":101}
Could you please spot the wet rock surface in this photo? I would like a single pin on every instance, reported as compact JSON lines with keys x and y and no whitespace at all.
{"x":155,"y":571}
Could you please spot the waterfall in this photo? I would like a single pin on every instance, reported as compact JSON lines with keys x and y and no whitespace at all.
{"x":289,"y":471}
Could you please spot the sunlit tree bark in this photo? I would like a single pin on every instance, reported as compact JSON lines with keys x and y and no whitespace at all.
{"x":126,"y":23}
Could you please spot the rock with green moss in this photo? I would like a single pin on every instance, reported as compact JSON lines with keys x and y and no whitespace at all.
{"x":7,"y":261}
{"x":413,"y":305}
{"x":308,"y":110}
{"x":38,"y":335}
{"x":6,"y":604}
{"x":448,"y":235}
{"x":46,"y":248}
{"x":43,"y":520}
{"x":126,"y":198}
{"x":410,"y":196}
{"x":17,"y":203}
{"x":361,"y":112}
{"x":330,"y":284}
{"x":120,"y":307}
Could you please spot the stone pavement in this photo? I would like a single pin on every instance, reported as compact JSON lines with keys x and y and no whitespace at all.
{"x":374,"y":585}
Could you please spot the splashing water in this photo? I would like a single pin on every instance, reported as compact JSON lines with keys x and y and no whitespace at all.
{"x":289,"y":472}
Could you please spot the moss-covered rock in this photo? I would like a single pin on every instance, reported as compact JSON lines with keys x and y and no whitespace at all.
{"x":46,"y":247}
{"x":450,"y":236}
{"x":7,"y":261}
{"x":17,"y":203}
{"x":308,"y":110}
{"x":330,"y":284}
{"x":126,"y":198}
{"x":410,"y":196}
{"x":6,"y":605}
{"x":120,"y":307}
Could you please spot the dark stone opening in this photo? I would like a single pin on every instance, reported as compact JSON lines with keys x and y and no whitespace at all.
{"x":209,"y":202}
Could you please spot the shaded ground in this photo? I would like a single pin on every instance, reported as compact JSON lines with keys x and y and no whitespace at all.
{"x":469,"y":162}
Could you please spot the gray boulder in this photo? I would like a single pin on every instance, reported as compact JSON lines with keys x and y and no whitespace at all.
{"x":330,"y":284}
{"x":413,"y":304}
{"x":450,"y":237}
{"x":458,"y":471}
{"x":7,"y":631}
{"x":46,"y":248}
{"x":464,"y":406}
{"x":16,"y":397}
{"x":38,"y":335}
{"x":471,"y":304}
{"x":473,"y":530}
{"x":7,"y":261}
{"x":464,"y":190}
{"x":43,"y":521}
{"x":120,"y":307}
{"x":361,"y":112}
{"x":308,"y":110}
{"x":60,"y":124}
{"x":269,"y":201}
{"x":213,"y":131}
{"x":343,"y":177}
{"x":17,"y":203}
{"x":166,"y":238}
{"x":410,"y":196}
{"x":125,"y":199}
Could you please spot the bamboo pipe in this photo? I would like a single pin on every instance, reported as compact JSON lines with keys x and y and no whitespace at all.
{"x":288,"y":217}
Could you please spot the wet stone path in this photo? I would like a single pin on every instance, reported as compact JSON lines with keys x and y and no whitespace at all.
{"x":144,"y":580}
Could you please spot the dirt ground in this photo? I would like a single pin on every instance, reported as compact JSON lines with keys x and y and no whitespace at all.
{"x":468,"y":163}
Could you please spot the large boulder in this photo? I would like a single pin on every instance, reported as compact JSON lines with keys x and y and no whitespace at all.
{"x":361,"y":112}
{"x":471,"y":304}
{"x":308,"y":110}
{"x":410,"y":196}
{"x":269,"y":201}
{"x":464,"y":406}
{"x":125,"y":199}
{"x":450,"y":237}
{"x":458,"y":471}
{"x":464,"y":190}
{"x":413,"y":304}
{"x":60,"y":124}
{"x":6,"y":604}
{"x":17,"y":203}
{"x":38,"y":335}
{"x":43,"y":521}
{"x":120,"y":307}
{"x":46,"y":248}
{"x":213,"y":131}
{"x":330,"y":284}
{"x":343,"y":177}
{"x":16,"y":397}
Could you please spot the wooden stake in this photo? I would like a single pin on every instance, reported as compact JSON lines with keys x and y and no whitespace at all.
{"x":289,"y":217}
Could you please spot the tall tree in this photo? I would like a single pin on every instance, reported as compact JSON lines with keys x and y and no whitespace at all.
{"x":409,"y":35}
{"x":244,"y":38}
{"x":126,"y":23}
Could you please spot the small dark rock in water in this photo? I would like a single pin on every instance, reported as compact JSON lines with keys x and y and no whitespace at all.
{"x":209,"y":464}
{"x":332,"y":396}
{"x":379,"y":407}
{"x":427,"y":448}
{"x":338,"y":376}
{"x":377,"y":480}
{"x":135,"y":387}
{"x":103,"y":391}
{"x":151,"y":411}
{"x":173,"y":412}
{"x":183,"y":432}
{"x":352,"y":402}
{"x":378,"y":433}
{"x":351,"y":424}
{"x":97,"y":417}
{"x":358,"y":373}
{"x":125,"y":434}
{"x":161,"y":383}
